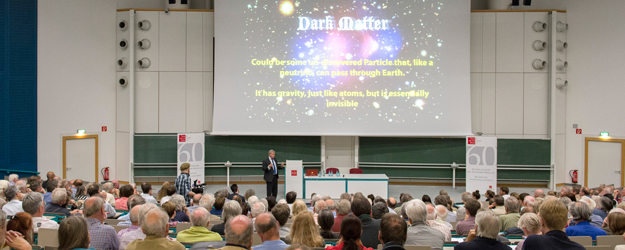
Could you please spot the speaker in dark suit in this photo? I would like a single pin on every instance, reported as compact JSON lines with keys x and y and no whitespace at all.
{"x":270,"y":167}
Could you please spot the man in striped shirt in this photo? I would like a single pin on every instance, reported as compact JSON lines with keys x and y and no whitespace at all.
{"x":183,"y":183}
{"x":103,"y":237}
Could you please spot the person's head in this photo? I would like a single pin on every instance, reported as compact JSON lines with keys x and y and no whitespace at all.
{"x":471,"y":206}
{"x":271,"y":202}
{"x":200,"y":217}
{"x":499,"y":200}
{"x":32,"y":203}
{"x":73,"y":233}
{"x":169,"y":208}
{"x":440,"y":200}
{"x":539,"y":193}
{"x":476,"y":195}
{"x":304,"y":230}
{"x":107,"y":187}
{"x":281,"y":212}
{"x":465,"y":196}
{"x":378,"y":210}
{"x":575,"y":189}
{"x":298,"y":207}
{"x":11,"y":193}
{"x":585,"y":191}
{"x":606,"y":204}
{"x":512,"y":205}
{"x":249,"y":193}
{"x":431,"y":211}
{"x":184,"y":167}
{"x":290,"y":197}
{"x":272,"y":153}
{"x":580,"y":211}
{"x":416,"y":210}
{"x":345,"y":196}
{"x":134,"y":215}
{"x":22,"y":223}
{"x":257,"y":209}
{"x":94,"y":189}
{"x":441,"y":212}
{"x":239,"y":231}
{"x":196,"y":199}
{"x":392,"y":229}
{"x":343,"y":207}
{"x":146,"y":188}
{"x":135,"y":200}
{"x":487,"y":224}
{"x":360,"y":206}
{"x":59,"y":196}
{"x":553,"y":216}
{"x":234,"y":188}
{"x":94,"y":208}
{"x":391,"y":203}
{"x":616,"y":223}
{"x":351,"y":230}
{"x":179,"y":201}
{"x":564,"y":190}
{"x":219,"y":202}
{"x":155,"y":223}
{"x":13,"y":178}
{"x":489,"y":194}
{"x":320,"y":205}
{"x":504,"y":191}
{"x":426,"y":198}
{"x":21,"y":186}
{"x":405,"y":198}
{"x":529,"y":223}
{"x":330,"y":204}
{"x":207,"y":201}
{"x":326,"y":220}
{"x":314,"y":200}
{"x":230,"y":210}
{"x":267,"y":227}
{"x":126,"y":191}
{"x":50,"y":175}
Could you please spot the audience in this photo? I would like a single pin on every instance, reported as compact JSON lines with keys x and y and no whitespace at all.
{"x":326,"y":222}
{"x":539,"y":193}
{"x":155,"y":228}
{"x":431,"y":221}
{"x":419,"y":233}
{"x":553,"y":218}
{"x":134,"y":220}
{"x":530,"y":224}
{"x":343,"y":208}
{"x":319,"y":205}
{"x":146,"y":188}
{"x":59,"y":203}
{"x":73,"y":234}
{"x":484,"y":237}
{"x":130,"y":236}
{"x":441,"y":215}
{"x":393,"y":232}
{"x":22,"y":223}
{"x":230,"y":210}
{"x":94,"y":190}
{"x":111,"y":192}
{"x":200,"y":219}
{"x":14,"y":197}
{"x":290,"y":199}
{"x":468,"y":224}
{"x":361,"y":208}
{"x":378,"y":210}
{"x":460,"y":214}
{"x":181,"y":212}
{"x":351,"y":232}
{"x":249,"y":193}
{"x":219,"y":204}
{"x":33,"y":205}
{"x":268,"y":229}
{"x":102,"y":236}
{"x":239,"y":232}
{"x":580,"y":212}
{"x":207,"y":201}
{"x":281,"y":213}
{"x":235,"y":192}
{"x":304,"y":231}
{"x":125,"y":192}
{"x":511,"y":218}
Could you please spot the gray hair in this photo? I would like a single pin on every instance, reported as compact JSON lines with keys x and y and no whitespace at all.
{"x":3,"y":185}
{"x":345,"y":196}
{"x":531,"y":222}
{"x":134,"y":217}
{"x":230,"y":210}
{"x":155,"y":226}
{"x":266,"y":203}
{"x":262,"y":228}
{"x":580,"y":211}
{"x":314,"y":200}
{"x":487,"y":224}
{"x":179,"y":201}
{"x":442,"y":216}
{"x":13,"y":176}
{"x":242,"y":238}
{"x":281,"y":201}
{"x":343,"y":206}
{"x":326,"y":197}
{"x":11,"y":193}
{"x":95,"y":207}
{"x":136,"y":200}
{"x":257,"y":209}
{"x":32,"y":202}
{"x":200,"y":217}
{"x":271,"y":151}
{"x":207,"y":201}
{"x":252,"y":200}
{"x":466,"y":196}
{"x":589,"y":201}
{"x":320,"y":205}
{"x":512,"y":204}
{"x":566,"y":200}
{"x":59,"y":195}
{"x":107,"y":186}
{"x":144,"y":209}
{"x":20,"y":184}
{"x":416,"y":210}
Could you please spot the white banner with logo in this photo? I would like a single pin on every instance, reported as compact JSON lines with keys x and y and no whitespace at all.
{"x":191,"y":150}
{"x":481,"y":164}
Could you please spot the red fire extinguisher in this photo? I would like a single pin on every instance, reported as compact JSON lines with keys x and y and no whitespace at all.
{"x":105,"y":173}
{"x":573,"y":174}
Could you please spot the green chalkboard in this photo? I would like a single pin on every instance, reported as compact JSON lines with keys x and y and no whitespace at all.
{"x":161,"y":148}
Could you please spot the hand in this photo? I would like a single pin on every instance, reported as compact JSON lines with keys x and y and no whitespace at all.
{"x":270,"y":165}
{"x":471,"y":236}
{"x":16,"y":241}
{"x":75,"y":211}
{"x":282,"y":166}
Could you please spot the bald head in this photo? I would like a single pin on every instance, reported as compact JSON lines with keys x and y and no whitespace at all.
{"x":267,"y":227}
{"x":330,"y":204}
{"x":155,"y":223}
{"x":94,"y":208}
{"x":239,"y":231}
{"x":391,"y":202}
{"x":134,"y":215}
{"x":431,"y":211}
{"x":200,"y":217}
{"x":320,"y":205}
{"x":196,"y":199}
{"x":539,"y":193}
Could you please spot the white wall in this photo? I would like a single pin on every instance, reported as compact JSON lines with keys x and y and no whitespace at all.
{"x":595,"y":73}
{"x":75,"y":77}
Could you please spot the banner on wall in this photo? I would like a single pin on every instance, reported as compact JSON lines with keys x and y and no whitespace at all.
{"x":481,"y":164}
{"x":191,"y":150}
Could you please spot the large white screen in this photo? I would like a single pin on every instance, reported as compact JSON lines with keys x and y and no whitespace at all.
{"x":342,"y":67}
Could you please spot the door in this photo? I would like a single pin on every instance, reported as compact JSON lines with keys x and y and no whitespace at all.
{"x":340,"y":153}
{"x":80,"y":157}
{"x":604,"y":162}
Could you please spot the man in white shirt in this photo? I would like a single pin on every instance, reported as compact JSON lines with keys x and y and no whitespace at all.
{"x":147,"y":193}
{"x":171,"y":190}
{"x":108,"y":188}
{"x":504,"y":192}
{"x":33,"y":204}
{"x":14,"y":205}
{"x":131,"y":236}
{"x":94,"y":190}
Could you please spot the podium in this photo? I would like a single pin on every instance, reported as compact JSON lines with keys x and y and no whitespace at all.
{"x":294,"y":178}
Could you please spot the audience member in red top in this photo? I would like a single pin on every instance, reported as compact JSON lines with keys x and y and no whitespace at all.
{"x":125,"y":192}
{"x":351,"y":229}
{"x":343,"y":208}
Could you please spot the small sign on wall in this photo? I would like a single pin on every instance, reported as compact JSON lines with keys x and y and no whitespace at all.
{"x":104,"y":129}
{"x":578,"y":131}
{"x":293,"y":172}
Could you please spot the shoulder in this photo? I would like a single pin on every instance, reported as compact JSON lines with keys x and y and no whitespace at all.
{"x":463,"y":245}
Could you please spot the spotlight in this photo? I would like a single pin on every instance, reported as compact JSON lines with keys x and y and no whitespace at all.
{"x":539,"y":64}
{"x":561,"y":64}
{"x":539,"y":45}
{"x":539,"y":26}
{"x":561,"y":45}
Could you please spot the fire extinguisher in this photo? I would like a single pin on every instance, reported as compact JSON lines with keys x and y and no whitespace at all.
{"x":105,"y":173}
{"x":573,"y":174}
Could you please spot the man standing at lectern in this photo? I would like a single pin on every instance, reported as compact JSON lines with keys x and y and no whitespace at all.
{"x":270,"y":166}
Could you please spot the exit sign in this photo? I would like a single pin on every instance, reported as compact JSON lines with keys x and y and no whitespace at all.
{"x":605,"y":134}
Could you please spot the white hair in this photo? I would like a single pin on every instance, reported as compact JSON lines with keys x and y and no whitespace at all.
{"x":257,"y":209}
{"x":441,"y":215}
{"x":271,"y":151}
{"x":266,"y":203}
{"x":282,"y":201}
{"x":59,"y":195}
{"x":4,"y":184}
{"x":487,"y":224}
{"x":207,"y":201}
{"x":253,"y":199}
{"x":13,"y":177}
{"x":20,"y":184}
{"x":156,"y":226}
{"x":145,"y":208}
{"x":431,"y":216}
{"x":200,"y":217}
{"x":589,"y":201}
{"x":320,"y":205}
{"x":179,"y":201}
{"x":531,"y":222}
{"x":416,"y":210}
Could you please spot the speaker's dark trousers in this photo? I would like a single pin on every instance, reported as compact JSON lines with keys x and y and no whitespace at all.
{"x":272,"y":187}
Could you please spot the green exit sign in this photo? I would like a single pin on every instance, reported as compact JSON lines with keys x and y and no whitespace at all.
{"x":81,"y":131}
{"x":605,"y":134}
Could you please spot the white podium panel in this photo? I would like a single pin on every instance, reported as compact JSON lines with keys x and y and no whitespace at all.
{"x":377,"y":187}
{"x":293,"y":177}
{"x":324,"y":186}
{"x":334,"y":186}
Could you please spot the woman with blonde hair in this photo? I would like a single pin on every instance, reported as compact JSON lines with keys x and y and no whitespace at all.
{"x":163,"y":192}
{"x":530,"y":224}
{"x":298,"y":207}
{"x":74,"y":234}
{"x":304,"y":231}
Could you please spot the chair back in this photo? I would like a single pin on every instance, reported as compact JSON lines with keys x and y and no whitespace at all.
{"x":331,"y":170}
{"x":610,"y":240}
{"x":598,"y":247}
{"x":355,"y":171}
{"x":417,"y":247}
{"x":48,"y":237}
{"x":203,"y":245}
{"x":50,"y":248}
{"x":453,"y":225}
{"x":583,"y":240}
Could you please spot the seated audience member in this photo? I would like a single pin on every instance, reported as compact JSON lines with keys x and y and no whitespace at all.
{"x":499,"y":206}
{"x":235,"y":192}
{"x":110,"y":190}
{"x":102,"y":236}
{"x":230,"y":210}
{"x":298,"y":207}
{"x":200,"y":219}
{"x":9,"y":238}
{"x":59,"y":201}
{"x":361,"y":208}
{"x":81,"y":193}
{"x":290,"y":199}
{"x":484,"y":237}
{"x":511,"y":218}
{"x":195,"y":203}
{"x":460,"y":214}
{"x":268,"y":229}
{"x":595,"y":220}
{"x":419,"y":233}
{"x":162,"y":192}
{"x":170,"y":208}
{"x":170,"y":191}
{"x":351,"y":232}
{"x":50,"y":176}
{"x":281,"y":213}
{"x":313,"y":200}
{"x":603,"y":207}
{"x":304,"y":231}
{"x":146,"y":188}
{"x":319,"y":205}
{"x":132,"y":201}
{"x":207,"y":201}
{"x":530,"y":224}
{"x":218,"y":206}
{"x":271,"y":202}
{"x":489,"y":195}
{"x":94,"y":190}
{"x":125,"y":192}
{"x":403,"y":199}
{"x":73,"y":234}
{"x":393,"y":231}
{"x":539,"y":193}
{"x":130,"y":236}
{"x":181,"y":209}
{"x":22,"y":186}
{"x":431,"y":221}
{"x":134,"y":220}
{"x":580,"y":212}
{"x":391,"y":203}
{"x":443,"y":200}
{"x":553,"y":218}
{"x":471,"y":207}
{"x":249,"y":193}
{"x":33,"y":204}
{"x":22,"y":223}
{"x":239,"y":232}
{"x":616,"y":223}
{"x":155,"y":228}
{"x":326,"y":221}
{"x":476,"y":195}
{"x":14,"y":197}
{"x":51,"y":185}
{"x":441,"y":215}
{"x":257,"y":209}
{"x":378,"y":210}
{"x":343,"y":208}
{"x":426,"y":198}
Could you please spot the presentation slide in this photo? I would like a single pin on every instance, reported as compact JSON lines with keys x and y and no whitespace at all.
{"x":342,"y":67}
